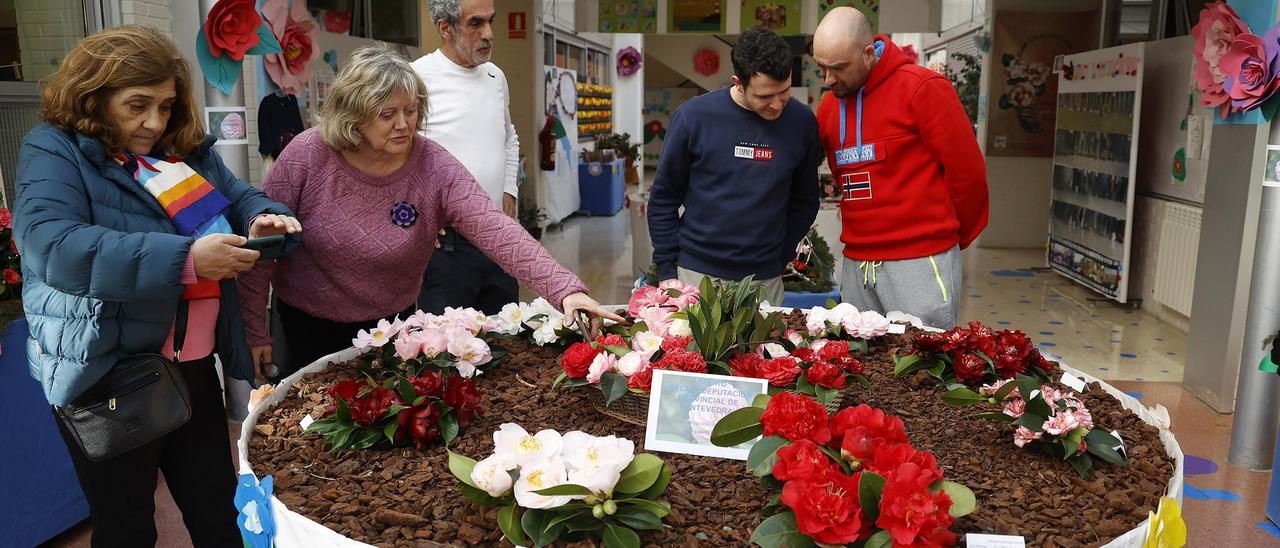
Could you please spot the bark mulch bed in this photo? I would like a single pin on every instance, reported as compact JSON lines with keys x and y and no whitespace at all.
{"x":405,"y":497}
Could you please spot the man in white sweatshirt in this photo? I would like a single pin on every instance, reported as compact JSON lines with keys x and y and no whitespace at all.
{"x":468,"y":113}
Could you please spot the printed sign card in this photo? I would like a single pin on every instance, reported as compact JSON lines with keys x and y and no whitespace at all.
{"x":685,"y":407}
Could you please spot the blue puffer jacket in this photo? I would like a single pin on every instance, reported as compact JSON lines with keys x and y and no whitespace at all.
{"x":102,"y":263}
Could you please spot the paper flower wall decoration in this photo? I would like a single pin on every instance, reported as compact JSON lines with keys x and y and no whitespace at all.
{"x":706,"y":62}
{"x":629,"y":60}
{"x":295,"y":29}
{"x":1217,"y":28}
{"x":232,"y":30}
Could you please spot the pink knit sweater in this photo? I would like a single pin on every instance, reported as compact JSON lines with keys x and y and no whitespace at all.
{"x":355,"y":264}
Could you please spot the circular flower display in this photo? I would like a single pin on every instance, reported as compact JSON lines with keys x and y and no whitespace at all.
{"x":404,"y":214}
{"x":706,"y":62}
{"x":1218,"y":27}
{"x":232,"y":28}
{"x":629,"y":61}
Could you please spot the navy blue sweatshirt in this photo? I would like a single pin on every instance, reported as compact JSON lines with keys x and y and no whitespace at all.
{"x":749,"y":188}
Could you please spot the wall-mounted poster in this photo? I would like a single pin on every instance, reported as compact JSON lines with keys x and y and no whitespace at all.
{"x":1020,"y":118}
{"x":695,"y":15}
{"x":1094,"y":164}
{"x":870,"y":8}
{"x":780,"y":16}
{"x":659,"y":103}
{"x":628,"y":15}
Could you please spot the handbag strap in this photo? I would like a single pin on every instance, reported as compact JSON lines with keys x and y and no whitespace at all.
{"x":180,"y":329}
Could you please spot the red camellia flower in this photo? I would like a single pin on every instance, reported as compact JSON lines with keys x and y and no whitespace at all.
{"x":955,"y":339}
{"x":796,"y":418}
{"x":969,"y":367}
{"x":12,"y":277}
{"x":612,"y":339}
{"x":370,"y":409}
{"x":577,"y":359}
{"x":855,"y":366}
{"x":1015,"y":342}
{"x":642,"y":380}
{"x":682,"y":360}
{"x":803,"y":460}
{"x":858,"y":431}
{"x":889,"y":458}
{"x":232,"y":28}
{"x":914,"y":516}
{"x":1039,"y":360}
{"x":706,"y":62}
{"x":806,"y":355}
{"x":420,"y":424}
{"x":345,"y":390}
{"x":6,"y":218}
{"x":780,"y":371}
{"x":464,"y":397}
{"x":747,"y":365}
{"x":429,"y":383}
{"x":828,"y":510}
{"x":676,"y":343}
{"x":929,"y":342}
{"x":833,"y":350}
{"x":826,"y":375}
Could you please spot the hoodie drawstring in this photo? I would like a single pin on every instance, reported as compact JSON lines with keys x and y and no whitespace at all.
{"x":869,"y":272}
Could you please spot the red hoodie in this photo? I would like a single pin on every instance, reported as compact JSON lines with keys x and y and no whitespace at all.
{"x":922,"y":186}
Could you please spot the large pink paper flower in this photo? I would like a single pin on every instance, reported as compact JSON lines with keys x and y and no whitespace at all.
{"x":295,"y":30}
{"x":1250,"y":80}
{"x":1218,"y":27}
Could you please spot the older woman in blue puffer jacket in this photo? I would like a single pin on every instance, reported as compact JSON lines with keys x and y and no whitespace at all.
{"x":123,"y":209}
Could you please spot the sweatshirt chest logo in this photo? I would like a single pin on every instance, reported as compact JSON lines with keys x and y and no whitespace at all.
{"x":748,"y":151}
{"x":855,"y":186}
{"x":854,"y":155}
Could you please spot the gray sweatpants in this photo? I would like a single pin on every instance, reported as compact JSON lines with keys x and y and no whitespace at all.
{"x":927,"y":287}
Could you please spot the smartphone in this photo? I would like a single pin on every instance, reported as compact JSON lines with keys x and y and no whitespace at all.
{"x":269,"y":246}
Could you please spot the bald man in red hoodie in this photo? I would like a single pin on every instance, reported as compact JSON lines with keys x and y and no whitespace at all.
{"x":913,"y":182}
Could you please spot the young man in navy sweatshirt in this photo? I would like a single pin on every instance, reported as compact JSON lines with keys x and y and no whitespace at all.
{"x":743,"y":162}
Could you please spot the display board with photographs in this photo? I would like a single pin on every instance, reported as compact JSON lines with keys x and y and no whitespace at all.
{"x":1095,"y":152}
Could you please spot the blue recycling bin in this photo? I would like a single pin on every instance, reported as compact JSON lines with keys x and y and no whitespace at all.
{"x":42,"y":495}
{"x":806,"y":300}
{"x":601,"y":185}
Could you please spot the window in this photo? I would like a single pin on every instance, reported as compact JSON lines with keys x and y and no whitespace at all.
{"x":393,"y":21}
{"x":35,"y":35}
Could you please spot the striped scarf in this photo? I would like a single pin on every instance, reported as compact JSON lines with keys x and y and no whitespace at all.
{"x":194,"y":205}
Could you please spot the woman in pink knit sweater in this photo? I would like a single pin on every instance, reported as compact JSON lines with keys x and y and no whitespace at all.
{"x":372,"y":194}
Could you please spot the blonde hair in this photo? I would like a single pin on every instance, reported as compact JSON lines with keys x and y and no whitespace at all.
{"x":76,"y":96}
{"x":371,"y":76}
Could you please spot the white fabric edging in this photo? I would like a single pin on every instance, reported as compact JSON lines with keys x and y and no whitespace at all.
{"x":294,"y":530}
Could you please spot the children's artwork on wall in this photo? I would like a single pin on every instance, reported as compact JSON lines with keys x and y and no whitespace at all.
{"x":695,"y":15}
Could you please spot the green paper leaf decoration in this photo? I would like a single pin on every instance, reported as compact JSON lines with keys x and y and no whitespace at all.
{"x":267,"y":43}
{"x":220,"y":72}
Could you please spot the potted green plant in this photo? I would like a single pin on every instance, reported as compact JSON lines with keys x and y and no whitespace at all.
{"x":531,"y":218}
{"x":623,"y":147}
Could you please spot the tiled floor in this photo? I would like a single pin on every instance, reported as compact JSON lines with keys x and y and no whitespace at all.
{"x":1134,"y":350}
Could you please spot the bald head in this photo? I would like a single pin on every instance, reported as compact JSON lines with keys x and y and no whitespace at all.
{"x":842,"y":49}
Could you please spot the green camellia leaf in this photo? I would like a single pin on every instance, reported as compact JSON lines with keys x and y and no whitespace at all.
{"x":478,"y":496}
{"x":613,"y":385}
{"x":1081,"y":464}
{"x":638,"y":518}
{"x":390,"y":430}
{"x":764,"y":454}
{"x":1005,"y":390}
{"x":659,"y":486}
{"x":995,"y":416}
{"x":640,"y":474}
{"x":738,"y":427}
{"x":535,"y":525}
{"x":1031,"y":421}
{"x":618,"y":351}
{"x":461,"y":467}
{"x":870,"y":487}
{"x":1102,"y":445}
{"x":825,"y":395}
{"x":904,"y":365}
{"x":616,"y":536}
{"x":449,"y":428}
{"x":564,"y":489}
{"x":963,"y":502}
{"x":962,"y":397}
{"x":568,"y":514}
{"x":879,"y":540}
{"x":780,"y":531}
{"x":509,"y":522}
{"x":761,"y":401}
{"x":659,"y":508}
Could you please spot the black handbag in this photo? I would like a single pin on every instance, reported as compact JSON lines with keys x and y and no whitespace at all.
{"x":141,"y":399}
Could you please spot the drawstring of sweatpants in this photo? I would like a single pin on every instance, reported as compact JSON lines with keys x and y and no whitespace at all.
{"x":869,"y":272}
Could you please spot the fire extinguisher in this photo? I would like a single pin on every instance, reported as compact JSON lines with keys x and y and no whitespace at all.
{"x":547,"y":142}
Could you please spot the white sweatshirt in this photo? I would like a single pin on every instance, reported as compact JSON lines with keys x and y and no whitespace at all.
{"x":468,"y":112}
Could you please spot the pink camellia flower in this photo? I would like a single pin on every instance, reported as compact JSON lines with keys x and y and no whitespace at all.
{"x":1218,"y":27}
{"x":688,"y":294}
{"x":646,"y":297}
{"x":1084,"y":416}
{"x":657,"y":318}
{"x":631,"y":363}
{"x":991,"y":389}
{"x":795,"y":337}
{"x":601,"y":364}
{"x":434,"y":341}
{"x":1247,"y":65}
{"x":409,"y":345}
{"x":865,"y":325}
{"x":1061,"y":423}
{"x":1023,"y":435}
{"x":470,"y":352}
{"x":1015,"y":408}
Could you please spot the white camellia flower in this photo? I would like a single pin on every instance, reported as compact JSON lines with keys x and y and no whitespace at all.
{"x":841,"y":312}
{"x":775,"y":350}
{"x":492,"y":475}
{"x":509,"y":319}
{"x":816,"y":320}
{"x":546,"y":334}
{"x":378,"y":336}
{"x":680,"y":328}
{"x":522,"y":447}
{"x":596,"y":462}
{"x":540,"y":475}
{"x":646,"y":342}
{"x":817,"y":345}
{"x":631,"y":363}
